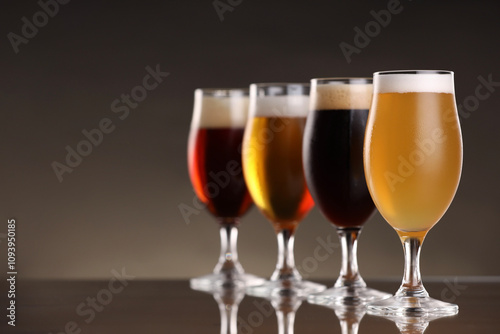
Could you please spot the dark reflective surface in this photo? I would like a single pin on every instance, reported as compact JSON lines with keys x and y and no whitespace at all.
{"x":172,"y":307}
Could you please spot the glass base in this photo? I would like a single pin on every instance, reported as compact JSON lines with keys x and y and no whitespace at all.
{"x":297,"y":288}
{"x":215,"y":281}
{"x":411,"y":306}
{"x":348,"y":296}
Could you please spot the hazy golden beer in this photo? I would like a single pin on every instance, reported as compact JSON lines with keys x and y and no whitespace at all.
{"x":413,"y":149}
{"x":272,"y":160}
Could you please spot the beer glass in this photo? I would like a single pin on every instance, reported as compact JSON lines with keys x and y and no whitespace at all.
{"x":413,"y":162}
{"x":272,"y":165}
{"x":214,"y":159}
{"x":333,"y":165}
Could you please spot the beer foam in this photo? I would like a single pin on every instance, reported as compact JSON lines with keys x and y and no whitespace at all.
{"x":414,"y":83}
{"x":220,"y":111}
{"x":280,"y":106}
{"x":341,"y":96}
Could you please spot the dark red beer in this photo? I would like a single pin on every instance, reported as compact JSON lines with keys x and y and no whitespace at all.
{"x":216,"y":171}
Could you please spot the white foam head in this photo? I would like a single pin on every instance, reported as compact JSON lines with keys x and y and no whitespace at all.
{"x":341,"y":95}
{"x":291,"y":103}
{"x":229,"y":109}
{"x":414,"y":81}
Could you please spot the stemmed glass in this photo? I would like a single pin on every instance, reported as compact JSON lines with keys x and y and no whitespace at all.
{"x":413,"y":162}
{"x":214,"y":159}
{"x":272,"y":164}
{"x":333,"y":165}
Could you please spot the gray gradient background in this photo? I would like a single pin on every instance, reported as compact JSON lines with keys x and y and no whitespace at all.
{"x":119,"y":208}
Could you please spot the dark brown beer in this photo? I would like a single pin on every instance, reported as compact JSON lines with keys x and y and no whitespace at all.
{"x":333,"y":163}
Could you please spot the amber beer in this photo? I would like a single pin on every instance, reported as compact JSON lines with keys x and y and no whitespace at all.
{"x":333,"y":151}
{"x":272,"y":160}
{"x":413,"y":150}
{"x":214,"y":154}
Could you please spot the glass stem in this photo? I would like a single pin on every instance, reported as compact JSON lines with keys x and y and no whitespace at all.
{"x":228,"y":260}
{"x":285,"y":321}
{"x":349,"y":273}
{"x":412,"y":282}
{"x":285,"y":268}
{"x":348,"y":327}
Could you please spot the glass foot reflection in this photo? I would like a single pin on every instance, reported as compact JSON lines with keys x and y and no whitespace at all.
{"x":214,"y":281}
{"x":349,"y":317}
{"x":411,"y":306}
{"x":286,"y":304}
{"x":346,"y":295}
{"x":413,"y":324}
{"x":228,"y":296}
{"x":271,"y":289}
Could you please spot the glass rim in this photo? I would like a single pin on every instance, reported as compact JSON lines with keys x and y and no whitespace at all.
{"x":341,"y":80}
{"x":266,"y":90}
{"x":222,"y":92}
{"x":414,"y":72}
{"x":279,"y":84}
